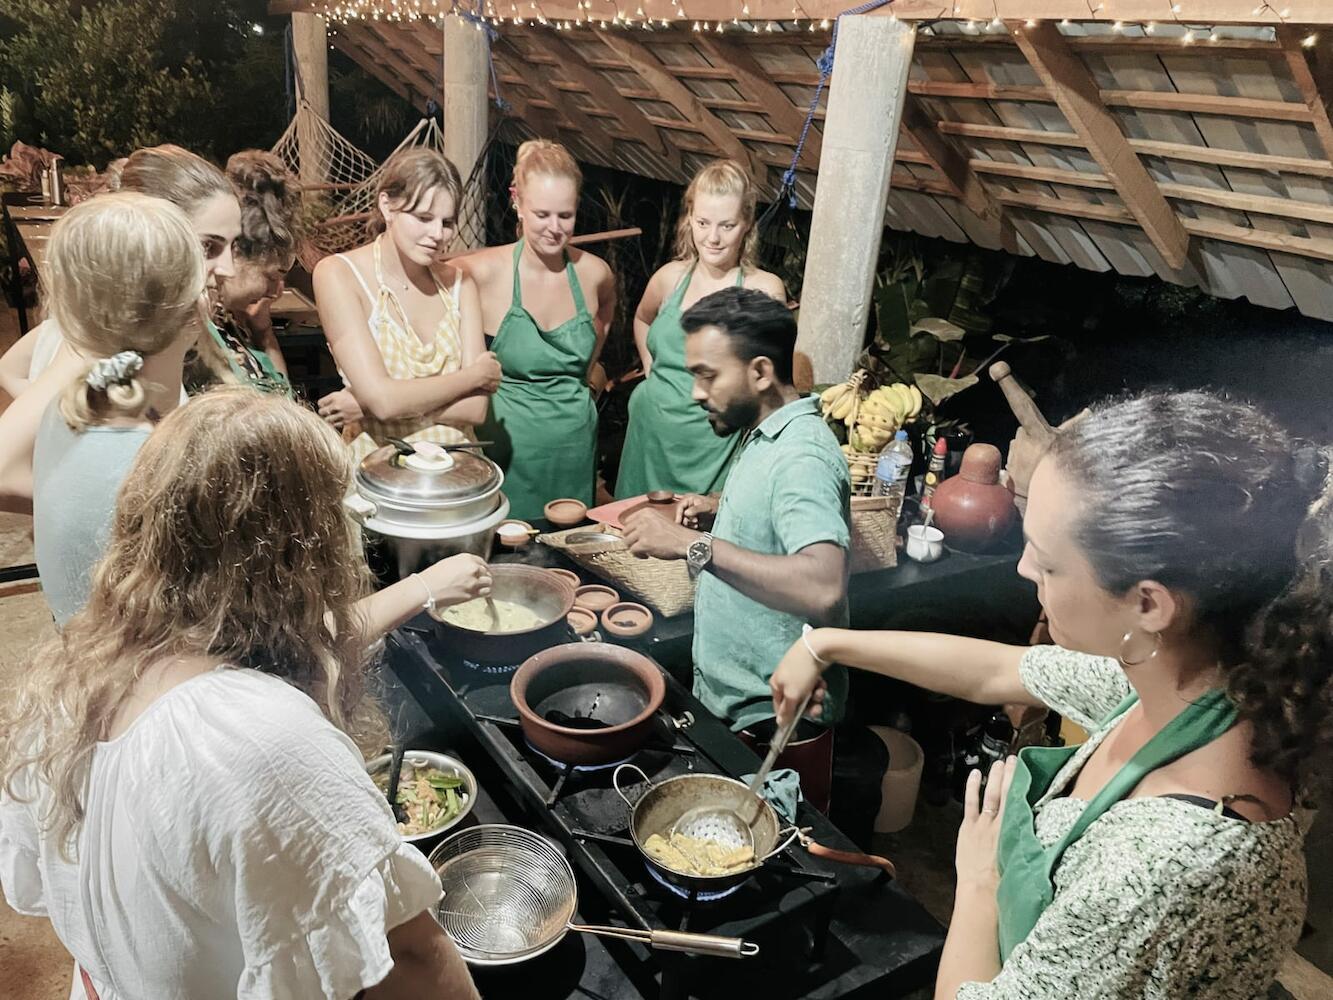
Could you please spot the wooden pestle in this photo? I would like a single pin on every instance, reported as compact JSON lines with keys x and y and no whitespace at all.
{"x":1021,"y":404}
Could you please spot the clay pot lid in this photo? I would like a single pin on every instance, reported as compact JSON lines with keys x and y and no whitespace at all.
{"x":661,"y":496}
{"x":581,"y":620}
{"x":569,"y":576}
{"x":627,"y":620}
{"x":981,"y":464}
{"x":595,"y":597}
{"x":566,"y":512}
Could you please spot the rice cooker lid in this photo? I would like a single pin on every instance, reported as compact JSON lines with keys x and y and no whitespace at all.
{"x":429,"y":476}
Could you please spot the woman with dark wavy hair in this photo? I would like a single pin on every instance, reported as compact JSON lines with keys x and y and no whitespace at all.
{"x":1180,"y":546}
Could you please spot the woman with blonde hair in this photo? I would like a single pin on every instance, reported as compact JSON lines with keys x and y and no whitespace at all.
{"x":407,"y":339}
{"x":180,"y":786}
{"x":670,"y":445}
{"x":550,"y":306}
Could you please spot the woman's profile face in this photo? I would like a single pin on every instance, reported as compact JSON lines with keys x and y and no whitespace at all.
{"x":423,"y":231}
{"x":1081,"y":615}
{"x":547,"y":207}
{"x":217,"y":223}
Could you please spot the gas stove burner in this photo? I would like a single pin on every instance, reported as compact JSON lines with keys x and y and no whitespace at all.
{"x":700,"y":896}
{"x":494,"y":669}
{"x":561,"y":765}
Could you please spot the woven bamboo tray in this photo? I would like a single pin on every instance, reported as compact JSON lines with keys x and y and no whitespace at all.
{"x":663,"y":584}
{"x":874,"y":533}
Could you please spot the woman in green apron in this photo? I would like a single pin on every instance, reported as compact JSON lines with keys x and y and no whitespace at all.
{"x":1169,"y":537}
{"x":670,"y":445}
{"x":549,"y":306}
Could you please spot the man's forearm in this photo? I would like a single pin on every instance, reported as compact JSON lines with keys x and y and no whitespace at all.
{"x":801,"y":584}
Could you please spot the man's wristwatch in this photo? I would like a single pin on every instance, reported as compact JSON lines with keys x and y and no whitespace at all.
{"x":699,"y":554}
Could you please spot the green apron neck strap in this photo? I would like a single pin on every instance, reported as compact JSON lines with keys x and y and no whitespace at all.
{"x":678,"y":296}
{"x":740,"y":275}
{"x":518,"y":285}
{"x":1197,"y":725}
{"x":580,"y":307}
{"x":1122,"y":708}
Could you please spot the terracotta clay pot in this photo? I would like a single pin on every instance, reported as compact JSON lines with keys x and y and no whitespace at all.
{"x":973,"y":509}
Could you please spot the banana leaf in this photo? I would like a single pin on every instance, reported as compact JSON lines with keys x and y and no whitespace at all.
{"x":938,"y":388}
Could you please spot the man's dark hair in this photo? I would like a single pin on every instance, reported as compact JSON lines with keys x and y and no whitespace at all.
{"x":758,"y":326}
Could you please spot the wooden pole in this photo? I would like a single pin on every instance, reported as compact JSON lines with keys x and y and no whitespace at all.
{"x":466,"y":117}
{"x":865,"y":109}
{"x":310,"y":43}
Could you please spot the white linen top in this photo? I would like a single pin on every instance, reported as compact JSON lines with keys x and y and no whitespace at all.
{"x":233,"y":846}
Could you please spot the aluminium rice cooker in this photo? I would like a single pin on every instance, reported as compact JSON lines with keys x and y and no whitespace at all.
{"x":429,"y":504}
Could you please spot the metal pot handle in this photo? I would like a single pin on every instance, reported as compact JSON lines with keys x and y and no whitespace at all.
{"x":615,"y":780}
{"x":791,"y":833}
{"x":360,"y":507}
{"x":667,"y":940}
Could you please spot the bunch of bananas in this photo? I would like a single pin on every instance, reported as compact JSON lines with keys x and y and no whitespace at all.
{"x":871,"y":419}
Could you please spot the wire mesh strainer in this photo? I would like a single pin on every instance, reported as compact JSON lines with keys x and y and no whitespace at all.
{"x":509,"y":895}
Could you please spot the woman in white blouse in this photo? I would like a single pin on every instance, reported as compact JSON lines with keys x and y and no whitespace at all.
{"x":180,"y":790}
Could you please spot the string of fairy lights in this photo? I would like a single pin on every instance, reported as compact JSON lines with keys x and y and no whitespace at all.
{"x":611,"y":14}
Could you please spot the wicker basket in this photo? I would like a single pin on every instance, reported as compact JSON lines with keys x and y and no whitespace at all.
{"x":663,"y":584}
{"x":874,"y":533}
{"x":862,"y":469}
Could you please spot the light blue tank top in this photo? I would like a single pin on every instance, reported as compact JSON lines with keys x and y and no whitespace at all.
{"x":75,"y":481}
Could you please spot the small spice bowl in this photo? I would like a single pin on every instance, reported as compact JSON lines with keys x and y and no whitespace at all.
{"x":514,"y":534}
{"x":595,"y":597}
{"x":569,"y":576}
{"x":582,"y":621}
{"x":627,"y":620}
{"x":924,"y":544}
{"x":566,"y":512}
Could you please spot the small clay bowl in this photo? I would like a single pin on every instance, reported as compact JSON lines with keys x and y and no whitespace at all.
{"x":582,"y":621}
{"x":627,"y":620}
{"x":568,"y":575}
{"x":595,"y":597}
{"x":514,"y":534}
{"x":566,"y":512}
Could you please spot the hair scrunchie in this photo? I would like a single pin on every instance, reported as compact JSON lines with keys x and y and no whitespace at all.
{"x":119,"y":369}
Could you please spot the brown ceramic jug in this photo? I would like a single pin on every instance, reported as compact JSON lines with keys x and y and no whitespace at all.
{"x":972,"y":508}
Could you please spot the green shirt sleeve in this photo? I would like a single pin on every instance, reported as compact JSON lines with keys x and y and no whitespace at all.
{"x":811,"y":501}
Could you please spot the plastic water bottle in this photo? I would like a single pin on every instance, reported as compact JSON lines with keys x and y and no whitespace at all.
{"x":893,"y":468}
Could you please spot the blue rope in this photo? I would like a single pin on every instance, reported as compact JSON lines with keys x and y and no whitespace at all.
{"x":491,"y":35}
{"x":825,"y":64}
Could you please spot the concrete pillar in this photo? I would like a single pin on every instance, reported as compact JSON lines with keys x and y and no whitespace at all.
{"x":466,"y":116}
{"x":310,"y":42}
{"x":865,"y":107}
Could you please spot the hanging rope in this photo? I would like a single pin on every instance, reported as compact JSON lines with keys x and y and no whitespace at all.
{"x":491,"y":36}
{"x":825,"y":65}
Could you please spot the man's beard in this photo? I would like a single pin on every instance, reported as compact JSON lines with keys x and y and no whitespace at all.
{"x":739,"y":415}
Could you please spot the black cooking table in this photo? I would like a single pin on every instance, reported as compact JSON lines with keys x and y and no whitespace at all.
{"x":826,"y":931}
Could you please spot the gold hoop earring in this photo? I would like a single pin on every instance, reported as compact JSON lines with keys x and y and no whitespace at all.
{"x":1124,"y":641}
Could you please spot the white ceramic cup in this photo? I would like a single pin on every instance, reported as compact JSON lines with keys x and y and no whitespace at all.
{"x":924,"y":544}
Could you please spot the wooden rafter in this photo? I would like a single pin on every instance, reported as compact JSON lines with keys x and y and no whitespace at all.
{"x":1306,"y":83}
{"x":751,"y":78}
{"x":1187,"y":11}
{"x":630,"y":118}
{"x":400,"y":78}
{"x":579,"y":120}
{"x":1258,"y":239}
{"x":660,"y":78}
{"x":951,"y":164}
{"x":1077,"y":96}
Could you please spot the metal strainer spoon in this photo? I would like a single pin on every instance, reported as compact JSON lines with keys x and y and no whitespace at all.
{"x":726,"y":826}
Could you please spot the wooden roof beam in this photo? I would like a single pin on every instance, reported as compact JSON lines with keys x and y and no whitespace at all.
{"x":951,"y":164}
{"x":753,"y":79}
{"x":1306,"y":82}
{"x":1314,"y":12}
{"x":580,"y":121}
{"x":1078,"y":98}
{"x":639,"y":59}
{"x":631,"y":118}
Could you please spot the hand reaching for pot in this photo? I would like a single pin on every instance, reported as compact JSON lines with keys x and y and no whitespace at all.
{"x":695,"y":511}
{"x":457,"y":579}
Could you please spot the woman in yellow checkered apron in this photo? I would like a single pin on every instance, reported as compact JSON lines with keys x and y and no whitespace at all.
{"x":409,"y":345}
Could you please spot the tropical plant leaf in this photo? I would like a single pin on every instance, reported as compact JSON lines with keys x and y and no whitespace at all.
{"x":1004,"y":338}
{"x":937,"y":388}
{"x":941,"y":329}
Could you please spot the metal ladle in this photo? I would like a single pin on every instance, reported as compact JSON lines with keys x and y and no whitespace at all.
{"x":726,"y":826}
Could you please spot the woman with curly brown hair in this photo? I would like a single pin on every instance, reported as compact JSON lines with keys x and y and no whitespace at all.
{"x":1180,"y":546}
{"x":180,"y":790}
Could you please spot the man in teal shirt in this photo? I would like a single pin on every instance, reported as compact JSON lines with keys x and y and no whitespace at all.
{"x":776,"y":557}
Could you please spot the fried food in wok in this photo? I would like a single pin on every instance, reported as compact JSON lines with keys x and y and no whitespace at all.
{"x":697,"y":856}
